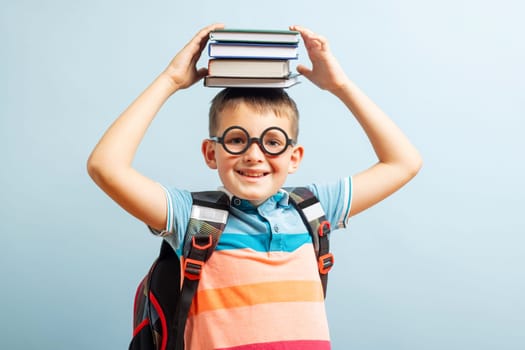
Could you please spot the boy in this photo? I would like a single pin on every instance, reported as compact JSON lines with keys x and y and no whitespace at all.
{"x":261,"y":288}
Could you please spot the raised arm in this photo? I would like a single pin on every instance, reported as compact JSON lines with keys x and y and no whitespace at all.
{"x":398,"y":160}
{"x":110,"y":163}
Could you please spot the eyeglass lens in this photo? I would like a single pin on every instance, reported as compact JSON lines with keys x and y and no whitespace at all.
{"x":236,"y":140}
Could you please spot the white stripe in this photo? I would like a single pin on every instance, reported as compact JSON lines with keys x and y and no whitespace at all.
{"x":313,"y":211}
{"x":209,"y":214}
{"x":345,"y":213}
{"x":169,"y":213}
{"x":169,"y":221}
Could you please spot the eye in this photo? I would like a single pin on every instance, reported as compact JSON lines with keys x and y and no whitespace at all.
{"x":236,"y":141}
{"x":274,"y":139}
{"x":273,"y":142}
{"x":235,"y":138}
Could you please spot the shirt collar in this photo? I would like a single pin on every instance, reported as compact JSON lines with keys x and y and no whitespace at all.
{"x":281,"y":198}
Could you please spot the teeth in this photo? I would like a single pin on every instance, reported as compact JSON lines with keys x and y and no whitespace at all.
{"x":244,"y":173}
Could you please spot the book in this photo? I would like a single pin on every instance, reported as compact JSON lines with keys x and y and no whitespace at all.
{"x":248,"y":68}
{"x":255,"y":35}
{"x":252,"y":50}
{"x":286,"y":82}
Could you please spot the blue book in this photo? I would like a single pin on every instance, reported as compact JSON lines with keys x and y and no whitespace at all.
{"x":252,"y":50}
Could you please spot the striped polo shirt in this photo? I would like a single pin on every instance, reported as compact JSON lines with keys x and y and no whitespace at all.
{"x":261,"y":287}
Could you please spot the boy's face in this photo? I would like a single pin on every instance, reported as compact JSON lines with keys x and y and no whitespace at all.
{"x":252,"y":175}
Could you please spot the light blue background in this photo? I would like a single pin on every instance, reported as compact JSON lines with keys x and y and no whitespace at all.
{"x":439,"y":265}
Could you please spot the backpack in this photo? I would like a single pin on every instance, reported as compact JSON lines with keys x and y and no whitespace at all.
{"x":162,"y":303}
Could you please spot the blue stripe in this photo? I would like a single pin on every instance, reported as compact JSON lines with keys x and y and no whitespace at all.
{"x":276,"y":242}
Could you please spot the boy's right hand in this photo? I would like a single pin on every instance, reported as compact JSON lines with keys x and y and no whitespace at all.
{"x":111,"y":162}
{"x":182,"y":71}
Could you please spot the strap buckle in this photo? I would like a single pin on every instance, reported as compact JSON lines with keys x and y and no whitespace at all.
{"x":193,"y":267}
{"x":207,"y":241}
{"x":324,"y":228}
{"x":325,"y":263}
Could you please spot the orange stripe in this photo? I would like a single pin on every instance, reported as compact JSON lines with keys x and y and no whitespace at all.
{"x":258,"y":293}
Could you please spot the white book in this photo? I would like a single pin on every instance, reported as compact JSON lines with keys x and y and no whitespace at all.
{"x":249,"y":68}
{"x":286,"y":82}
{"x":255,"y":35}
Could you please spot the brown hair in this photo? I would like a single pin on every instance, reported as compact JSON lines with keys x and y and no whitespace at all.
{"x":261,"y":99}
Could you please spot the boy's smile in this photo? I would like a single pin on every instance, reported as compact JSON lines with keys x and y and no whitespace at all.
{"x":253,"y":175}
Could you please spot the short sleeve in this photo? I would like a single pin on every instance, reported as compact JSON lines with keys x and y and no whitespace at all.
{"x":169,"y":217}
{"x":178,"y":210}
{"x":336,"y":200}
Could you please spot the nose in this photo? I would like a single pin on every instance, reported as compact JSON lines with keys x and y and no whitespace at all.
{"x":254,"y":152}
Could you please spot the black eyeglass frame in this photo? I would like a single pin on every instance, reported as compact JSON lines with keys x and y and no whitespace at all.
{"x":250,"y":140}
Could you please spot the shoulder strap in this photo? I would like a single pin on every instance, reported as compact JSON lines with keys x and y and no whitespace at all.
{"x":315,"y":220}
{"x":208,"y":218}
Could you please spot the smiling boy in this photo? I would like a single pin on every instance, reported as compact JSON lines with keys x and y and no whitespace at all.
{"x":261,"y":288}
{"x":252,"y":173}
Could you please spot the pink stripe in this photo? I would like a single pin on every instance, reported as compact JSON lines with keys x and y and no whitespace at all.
{"x":245,"y":266}
{"x":268,"y":323}
{"x":285,"y":345}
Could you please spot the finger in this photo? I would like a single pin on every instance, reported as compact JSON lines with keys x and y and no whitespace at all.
{"x":201,"y":38}
{"x":194,"y":48}
{"x":302,"y":69}
{"x":298,"y":28}
{"x":305,"y":32}
{"x":311,"y":39}
{"x":201,"y":73}
{"x":204,"y":32}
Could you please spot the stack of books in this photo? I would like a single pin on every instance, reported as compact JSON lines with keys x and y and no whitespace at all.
{"x":252,"y":58}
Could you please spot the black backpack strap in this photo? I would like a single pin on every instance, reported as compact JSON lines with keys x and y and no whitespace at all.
{"x":208,"y":218}
{"x":315,"y":220}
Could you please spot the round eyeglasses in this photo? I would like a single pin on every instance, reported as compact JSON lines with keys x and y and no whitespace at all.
{"x":236,"y":140}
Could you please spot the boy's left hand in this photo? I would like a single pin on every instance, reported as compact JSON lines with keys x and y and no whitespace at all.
{"x":326,"y":72}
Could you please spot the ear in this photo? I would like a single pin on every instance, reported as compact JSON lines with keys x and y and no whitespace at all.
{"x":295,"y":159}
{"x":208,"y":151}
